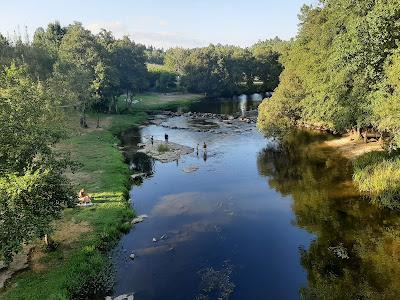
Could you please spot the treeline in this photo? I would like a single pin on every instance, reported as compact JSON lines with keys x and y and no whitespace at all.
{"x":219,"y":70}
{"x":342,"y":70}
{"x":81,"y":69}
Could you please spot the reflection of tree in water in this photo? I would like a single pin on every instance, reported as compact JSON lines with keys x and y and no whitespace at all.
{"x":141,"y":162}
{"x":356,"y":253}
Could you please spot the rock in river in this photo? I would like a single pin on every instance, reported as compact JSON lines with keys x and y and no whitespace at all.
{"x":190,"y":169}
{"x":138,"y":219}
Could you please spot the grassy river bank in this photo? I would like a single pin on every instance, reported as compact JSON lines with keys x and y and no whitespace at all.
{"x":79,"y":265}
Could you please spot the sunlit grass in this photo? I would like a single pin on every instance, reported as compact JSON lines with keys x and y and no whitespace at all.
{"x":159,"y":101}
{"x":377,"y":174}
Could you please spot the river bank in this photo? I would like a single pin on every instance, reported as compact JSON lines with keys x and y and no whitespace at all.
{"x":351,"y":147}
{"x":79,"y":266}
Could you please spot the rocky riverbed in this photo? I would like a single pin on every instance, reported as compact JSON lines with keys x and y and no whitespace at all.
{"x":205,"y":122}
{"x":164,"y":151}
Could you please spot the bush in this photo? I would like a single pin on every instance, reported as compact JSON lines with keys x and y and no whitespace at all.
{"x":163,"y":148}
{"x":377,"y":174}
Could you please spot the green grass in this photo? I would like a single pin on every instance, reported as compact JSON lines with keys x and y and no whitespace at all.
{"x":160,"y":101}
{"x":82,"y":269}
{"x":377,"y":174}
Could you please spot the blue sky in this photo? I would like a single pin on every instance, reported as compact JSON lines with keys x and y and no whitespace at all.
{"x":160,"y":23}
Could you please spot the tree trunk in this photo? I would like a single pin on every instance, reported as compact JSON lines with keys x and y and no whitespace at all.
{"x":130,"y":100}
{"x":83,"y":117}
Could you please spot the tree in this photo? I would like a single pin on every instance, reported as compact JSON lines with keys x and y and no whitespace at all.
{"x":80,"y":58}
{"x":49,"y":39}
{"x":129,"y":60}
{"x":267,"y":66}
{"x":33,"y":189}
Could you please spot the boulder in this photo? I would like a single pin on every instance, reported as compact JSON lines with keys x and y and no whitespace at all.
{"x":139,"y":219}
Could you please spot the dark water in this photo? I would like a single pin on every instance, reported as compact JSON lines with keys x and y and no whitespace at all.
{"x":257,"y":220}
{"x":227,"y":106}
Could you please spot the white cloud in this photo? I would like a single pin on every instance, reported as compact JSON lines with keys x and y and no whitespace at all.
{"x":117,"y":28}
{"x":166,"y":39}
{"x":162,"y":39}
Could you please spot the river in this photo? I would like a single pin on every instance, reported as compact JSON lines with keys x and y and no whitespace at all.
{"x":257,"y":220}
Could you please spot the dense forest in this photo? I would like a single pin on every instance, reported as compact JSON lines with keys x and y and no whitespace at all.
{"x":219,"y":70}
{"x":341,"y":73}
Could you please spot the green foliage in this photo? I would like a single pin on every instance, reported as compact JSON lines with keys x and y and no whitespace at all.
{"x":225,"y":70}
{"x":161,"y":79}
{"x":377,"y":174}
{"x":343,"y":59}
{"x":163,"y":148}
{"x":28,"y":204}
{"x":33,"y":189}
{"x":129,"y":59}
{"x":29,"y":122}
{"x":154,"y":55}
{"x":267,"y":67}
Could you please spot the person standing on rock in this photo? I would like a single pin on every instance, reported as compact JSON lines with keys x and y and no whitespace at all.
{"x":152,"y":140}
{"x":166,"y":138}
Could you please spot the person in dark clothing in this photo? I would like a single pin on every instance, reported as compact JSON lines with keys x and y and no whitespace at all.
{"x":152,"y":140}
{"x":166,"y":138}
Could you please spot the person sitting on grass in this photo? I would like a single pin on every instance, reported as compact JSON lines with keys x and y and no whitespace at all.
{"x":84,"y":197}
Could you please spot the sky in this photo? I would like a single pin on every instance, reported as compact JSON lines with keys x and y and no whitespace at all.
{"x":162,"y":23}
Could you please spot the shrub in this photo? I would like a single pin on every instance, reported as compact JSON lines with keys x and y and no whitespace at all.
{"x":163,"y":148}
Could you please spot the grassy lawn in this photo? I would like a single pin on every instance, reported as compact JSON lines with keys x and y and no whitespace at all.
{"x":160,"y":101}
{"x":80,"y":263}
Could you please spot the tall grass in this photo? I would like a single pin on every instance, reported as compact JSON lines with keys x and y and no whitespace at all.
{"x":377,"y":174}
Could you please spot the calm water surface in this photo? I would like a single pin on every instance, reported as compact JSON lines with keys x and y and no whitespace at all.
{"x":257,"y":220}
{"x":228,"y":106}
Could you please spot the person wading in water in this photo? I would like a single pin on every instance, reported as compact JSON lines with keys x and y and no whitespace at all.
{"x":166,"y":138}
{"x":205,"y":151}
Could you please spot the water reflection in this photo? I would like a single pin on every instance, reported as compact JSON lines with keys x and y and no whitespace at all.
{"x":356,"y":253}
{"x":226,"y":106}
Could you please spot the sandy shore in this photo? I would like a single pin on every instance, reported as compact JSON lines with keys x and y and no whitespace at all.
{"x":351,"y":148}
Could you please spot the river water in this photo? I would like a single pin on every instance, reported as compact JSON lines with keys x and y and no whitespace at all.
{"x":257,"y":220}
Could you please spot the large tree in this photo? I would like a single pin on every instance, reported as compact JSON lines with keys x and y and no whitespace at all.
{"x":33,"y":189}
